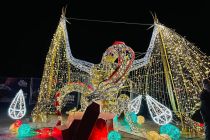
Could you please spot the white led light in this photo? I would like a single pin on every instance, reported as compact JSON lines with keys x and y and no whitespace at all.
{"x":135,"y":104}
{"x":17,"y":108}
{"x":159,"y":113}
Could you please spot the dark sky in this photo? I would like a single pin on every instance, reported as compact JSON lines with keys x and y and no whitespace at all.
{"x":27,"y":28}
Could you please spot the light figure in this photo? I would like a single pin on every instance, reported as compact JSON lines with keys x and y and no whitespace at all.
{"x":159,"y":113}
{"x":17,"y":108}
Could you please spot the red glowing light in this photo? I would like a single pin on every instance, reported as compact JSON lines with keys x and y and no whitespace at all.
{"x":18,"y":123}
{"x":201,"y":124}
{"x":100,"y":131}
{"x":118,"y":42}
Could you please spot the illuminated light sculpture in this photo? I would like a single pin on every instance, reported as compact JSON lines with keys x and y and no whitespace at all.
{"x":170,"y":72}
{"x":135,"y":104}
{"x":25,"y":131}
{"x":133,"y":116}
{"x":17,"y":108}
{"x":44,"y":132}
{"x":114,"y":135}
{"x":100,"y":130}
{"x":171,"y":131}
{"x":159,"y":113}
{"x":140,"y":119}
{"x":139,"y":63}
{"x":153,"y":135}
{"x":121,"y":123}
{"x":15,"y":126}
{"x":98,"y":82}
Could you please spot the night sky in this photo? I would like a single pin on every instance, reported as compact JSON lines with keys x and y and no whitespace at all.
{"x":27,"y":28}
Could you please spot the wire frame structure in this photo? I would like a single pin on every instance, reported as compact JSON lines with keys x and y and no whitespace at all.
{"x":17,"y":108}
{"x":64,"y":74}
{"x":173,"y":74}
{"x":58,"y":72}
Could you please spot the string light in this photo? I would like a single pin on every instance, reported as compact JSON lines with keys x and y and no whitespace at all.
{"x":169,"y":75}
{"x":17,"y":108}
{"x":171,"y":131}
{"x":114,"y":135}
{"x":135,"y":104}
{"x":159,"y":113}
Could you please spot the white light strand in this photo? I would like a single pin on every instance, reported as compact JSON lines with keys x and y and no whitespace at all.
{"x":17,"y":108}
{"x":80,"y":64}
{"x":86,"y":66}
{"x":135,"y":104}
{"x":159,"y":113}
{"x":143,"y":61}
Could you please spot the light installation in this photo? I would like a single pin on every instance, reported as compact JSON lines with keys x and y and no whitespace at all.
{"x":17,"y":108}
{"x":135,"y":104}
{"x":114,"y":135}
{"x":171,"y":131}
{"x":169,"y":76}
{"x":24,"y":130}
{"x":159,"y":113}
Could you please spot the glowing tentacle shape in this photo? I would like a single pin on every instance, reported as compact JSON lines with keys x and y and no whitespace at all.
{"x":135,"y":104}
{"x":159,"y":113}
{"x":17,"y":108}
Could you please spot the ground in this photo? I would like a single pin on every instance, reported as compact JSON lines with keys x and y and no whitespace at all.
{"x":5,"y":122}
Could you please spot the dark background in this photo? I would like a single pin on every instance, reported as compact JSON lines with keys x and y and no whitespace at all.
{"x":27,"y":28}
